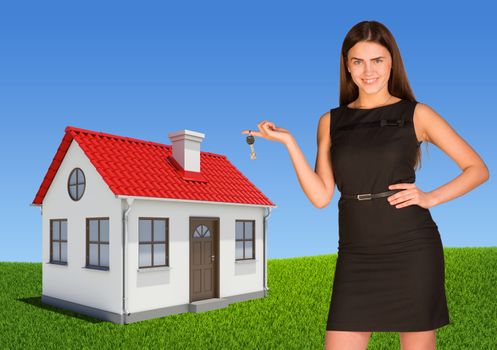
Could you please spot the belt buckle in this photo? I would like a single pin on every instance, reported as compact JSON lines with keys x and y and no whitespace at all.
{"x":364,"y":196}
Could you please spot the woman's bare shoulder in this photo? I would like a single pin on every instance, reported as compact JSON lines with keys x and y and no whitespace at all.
{"x":424,"y":117}
{"x":326,"y":116}
{"x":324,"y":127}
{"x":325,"y":119}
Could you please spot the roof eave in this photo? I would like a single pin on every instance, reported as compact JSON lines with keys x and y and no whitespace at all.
{"x":192,"y":201}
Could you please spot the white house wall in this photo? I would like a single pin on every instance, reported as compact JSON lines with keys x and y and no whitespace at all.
{"x":74,"y":282}
{"x":152,"y":289}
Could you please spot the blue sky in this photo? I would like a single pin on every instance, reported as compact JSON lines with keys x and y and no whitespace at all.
{"x":144,"y":69}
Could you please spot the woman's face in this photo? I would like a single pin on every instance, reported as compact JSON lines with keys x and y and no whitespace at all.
{"x":369,"y":65}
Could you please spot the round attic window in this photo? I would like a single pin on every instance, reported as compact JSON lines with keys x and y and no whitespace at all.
{"x":76,"y":184}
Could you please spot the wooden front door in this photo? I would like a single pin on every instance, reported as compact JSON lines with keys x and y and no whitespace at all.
{"x":203,"y":258}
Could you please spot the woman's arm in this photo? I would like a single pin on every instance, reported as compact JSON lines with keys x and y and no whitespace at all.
{"x":318,"y":185}
{"x":437,"y":131}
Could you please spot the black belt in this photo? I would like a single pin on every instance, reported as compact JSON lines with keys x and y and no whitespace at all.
{"x":366,"y":196}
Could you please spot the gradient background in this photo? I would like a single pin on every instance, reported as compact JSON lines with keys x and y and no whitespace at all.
{"x":144,"y":69}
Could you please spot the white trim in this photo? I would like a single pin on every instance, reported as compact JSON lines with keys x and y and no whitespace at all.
{"x":150,"y":269}
{"x":54,"y":263}
{"x":246,"y":261}
{"x":192,"y":201}
{"x":95,"y":268}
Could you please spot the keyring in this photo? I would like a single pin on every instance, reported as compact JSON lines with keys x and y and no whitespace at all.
{"x":250,"y":141}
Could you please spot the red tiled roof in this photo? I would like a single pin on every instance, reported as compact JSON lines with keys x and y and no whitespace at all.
{"x":142,"y":168}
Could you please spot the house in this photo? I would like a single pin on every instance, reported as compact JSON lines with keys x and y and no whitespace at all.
{"x":134,"y":230}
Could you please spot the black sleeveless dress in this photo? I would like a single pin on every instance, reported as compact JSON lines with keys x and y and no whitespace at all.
{"x":390,"y":268}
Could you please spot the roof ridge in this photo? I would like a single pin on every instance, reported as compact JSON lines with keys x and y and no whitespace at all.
{"x":70,"y":128}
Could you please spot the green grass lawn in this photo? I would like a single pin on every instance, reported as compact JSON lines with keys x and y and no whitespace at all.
{"x":292,"y":317}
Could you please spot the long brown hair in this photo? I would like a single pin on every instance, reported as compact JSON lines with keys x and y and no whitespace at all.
{"x":398,"y":84}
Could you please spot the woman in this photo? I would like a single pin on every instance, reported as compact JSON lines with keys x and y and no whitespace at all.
{"x":390,"y":269}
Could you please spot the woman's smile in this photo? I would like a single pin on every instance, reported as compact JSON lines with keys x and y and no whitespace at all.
{"x":369,"y":81}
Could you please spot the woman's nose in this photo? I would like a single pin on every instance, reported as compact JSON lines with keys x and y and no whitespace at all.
{"x":368,"y":68}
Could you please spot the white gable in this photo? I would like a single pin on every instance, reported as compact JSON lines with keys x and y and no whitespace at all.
{"x":74,"y":282}
{"x":96,"y":186}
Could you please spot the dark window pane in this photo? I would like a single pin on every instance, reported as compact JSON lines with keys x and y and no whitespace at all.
{"x":197,"y":232}
{"x":248,"y":249}
{"x":104,"y":255}
{"x":81,"y":177}
{"x":205,"y":231}
{"x":104,"y":230}
{"x":159,"y":254}
{"x":93,"y":254}
{"x":63,"y":230}
{"x":72,"y":178}
{"x":81,"y":190}
{"x":248,"y":229}
{"x":94,"y":230}
{"x":239,"y":230}
{"x":145,"y":230}
{"x":55,"y":251}
{"x":159,"y":230}
{"x":239,"y":250}
{"x":72,"y":190}
{"x":145,"y":255}
{"x":63,"y":252}
{"x":55,"y":230}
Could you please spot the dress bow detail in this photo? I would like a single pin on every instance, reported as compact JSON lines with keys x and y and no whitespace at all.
{"x":392,"y":122}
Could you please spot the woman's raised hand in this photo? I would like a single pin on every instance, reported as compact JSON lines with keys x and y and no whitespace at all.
{"x":269,"y":131}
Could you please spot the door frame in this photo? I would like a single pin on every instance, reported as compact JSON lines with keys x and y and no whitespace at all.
{"x":215,"y":241}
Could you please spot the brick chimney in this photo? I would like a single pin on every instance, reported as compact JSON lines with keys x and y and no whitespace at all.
{"x":186,"y":148}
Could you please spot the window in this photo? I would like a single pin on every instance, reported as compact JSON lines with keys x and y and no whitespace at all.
{"x":153,"y":237}
{"x":58,"y":241}
{"x":245,"y":239}
{"x":76,"y":184}
{"x":97,"y":243}
{"x":201,"y":231}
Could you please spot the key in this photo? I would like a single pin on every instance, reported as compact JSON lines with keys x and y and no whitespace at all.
{"x":250,"y":141}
